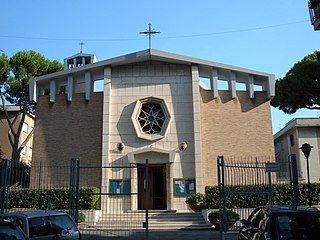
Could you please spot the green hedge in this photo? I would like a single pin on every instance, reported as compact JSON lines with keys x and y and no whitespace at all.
{"x":245,"y":196}
{"x":57,"y":198}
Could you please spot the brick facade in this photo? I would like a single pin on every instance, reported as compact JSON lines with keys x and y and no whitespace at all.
{"x":238,"y":127}
{"x":66,"y":130}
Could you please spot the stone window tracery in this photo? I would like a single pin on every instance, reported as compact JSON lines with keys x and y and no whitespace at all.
{"x":151,"y":118}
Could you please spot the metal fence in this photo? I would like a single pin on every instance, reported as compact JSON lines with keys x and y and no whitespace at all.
{"x":99,"y":198}
{"x":245,"y":183}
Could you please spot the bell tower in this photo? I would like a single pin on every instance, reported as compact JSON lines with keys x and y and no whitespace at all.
{"x":79,"y":59}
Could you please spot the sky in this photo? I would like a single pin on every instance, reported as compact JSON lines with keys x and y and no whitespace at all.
{"x":268,"y":36}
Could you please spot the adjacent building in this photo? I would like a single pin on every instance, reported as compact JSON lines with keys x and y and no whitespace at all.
{"x":288,"y":141}
{"x":153,"y":105}
{"x":27,"y":129}
{"x":314,"y":11}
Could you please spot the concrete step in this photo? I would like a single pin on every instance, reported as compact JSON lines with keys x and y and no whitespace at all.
{"x":157,"y":221}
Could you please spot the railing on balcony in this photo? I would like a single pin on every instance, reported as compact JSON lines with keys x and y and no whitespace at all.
{"x":314,"y":11}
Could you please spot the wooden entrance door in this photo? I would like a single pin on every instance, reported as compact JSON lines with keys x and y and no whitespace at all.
{"x":157,"y":192}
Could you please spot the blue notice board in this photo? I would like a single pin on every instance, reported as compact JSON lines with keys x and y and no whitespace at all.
{"x":119,"y":186}
{"x":184,"y":186}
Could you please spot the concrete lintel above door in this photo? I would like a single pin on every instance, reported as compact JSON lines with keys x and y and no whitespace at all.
{"x":151,"y":149}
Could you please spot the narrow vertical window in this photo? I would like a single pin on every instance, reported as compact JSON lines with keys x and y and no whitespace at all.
{"x":291,"y":140}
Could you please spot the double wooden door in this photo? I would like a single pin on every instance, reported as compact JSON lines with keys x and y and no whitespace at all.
{"x":157,"y":187}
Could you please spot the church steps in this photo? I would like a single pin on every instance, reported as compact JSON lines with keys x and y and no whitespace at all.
{"x":157,"y":221}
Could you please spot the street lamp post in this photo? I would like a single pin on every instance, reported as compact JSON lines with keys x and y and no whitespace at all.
{"x":306,"y":149}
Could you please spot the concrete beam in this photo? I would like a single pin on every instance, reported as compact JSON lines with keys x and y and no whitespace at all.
{"x":232,"y":84}
{"x":87,"y":77}
{"x":214,"y":82}
{"x":53,"y":91}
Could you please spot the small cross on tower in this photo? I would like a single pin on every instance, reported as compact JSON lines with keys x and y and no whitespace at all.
{"x":150,"y":32}
{"x":81,"y":46}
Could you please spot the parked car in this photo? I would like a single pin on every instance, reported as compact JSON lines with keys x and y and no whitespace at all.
{"x":9,"y":230}
{"x":281,"y":222}
{"x":44,"y":224}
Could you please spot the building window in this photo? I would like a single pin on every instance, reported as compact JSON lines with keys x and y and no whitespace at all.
{"x":25,"y":127}
{"x":23,"y":151}
{"x":30,"y":153}
{"x":291,"y":140}
{"x":278,"y":147}
{"x":151,"y":118}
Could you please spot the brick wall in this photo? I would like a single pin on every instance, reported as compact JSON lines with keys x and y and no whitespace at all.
{"x":234,"y":127}
{"x":60,"y":134}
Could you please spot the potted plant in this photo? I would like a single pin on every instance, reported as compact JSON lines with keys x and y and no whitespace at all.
{"x":231,"y":218}
{"x":196,"y":202}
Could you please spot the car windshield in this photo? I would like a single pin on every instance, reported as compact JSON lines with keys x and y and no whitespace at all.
{"x":298,"y":225}
{"x":50,"y":225}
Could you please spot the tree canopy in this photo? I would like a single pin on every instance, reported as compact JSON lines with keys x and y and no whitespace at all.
{"x":15,"y":73}
{"x":300,"y":87}
{"x":19,"y":69}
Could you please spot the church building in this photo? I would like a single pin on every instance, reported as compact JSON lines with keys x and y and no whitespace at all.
{"x":178,"y":112}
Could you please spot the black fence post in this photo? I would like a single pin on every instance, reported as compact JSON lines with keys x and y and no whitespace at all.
{"x":222,"y":200}
{"x":74,"y":189}
{"x":5,"y":184}
{"x":270,"y":193}
{"x":147,"y":198}
{"x":294,"y":183}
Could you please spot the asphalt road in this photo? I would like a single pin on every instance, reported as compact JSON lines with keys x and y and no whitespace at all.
{"x":157,"y":235}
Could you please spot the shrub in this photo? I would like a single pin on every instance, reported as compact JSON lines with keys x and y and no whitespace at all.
{"x":56,"y":198}
{"x":231,"y":215}
{"x":196,"y":199}
{"x":254,"y":195}
{"x":81,"y":217}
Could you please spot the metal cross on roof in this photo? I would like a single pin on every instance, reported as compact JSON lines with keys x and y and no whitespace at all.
{"x":149,"y":32}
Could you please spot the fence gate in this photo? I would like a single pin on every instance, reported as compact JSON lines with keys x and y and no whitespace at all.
{"x":246,"y":183}
{"x":116,"y":212}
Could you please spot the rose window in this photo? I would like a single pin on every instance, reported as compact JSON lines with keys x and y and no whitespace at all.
{"x":151,"y":118}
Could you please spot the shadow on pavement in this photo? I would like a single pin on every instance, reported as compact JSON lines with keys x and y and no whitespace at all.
{"x":154,"y":235}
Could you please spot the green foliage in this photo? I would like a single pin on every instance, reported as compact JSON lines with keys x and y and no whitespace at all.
{"x":196,"y":199}
{"x":4,"y":67}
{"x":57,"y":198}
{"x":300,"y":88}
{"x":81,"y":217}
{"x":231,"y":215}
{"x":23,"y":66}
{"x":282,"y":194}
{"x":247,"y":195}
{"x":15,"y":74}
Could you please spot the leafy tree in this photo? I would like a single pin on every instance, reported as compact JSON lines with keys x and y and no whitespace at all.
{"x":300,"y":88}
{"x":15,"y":73}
